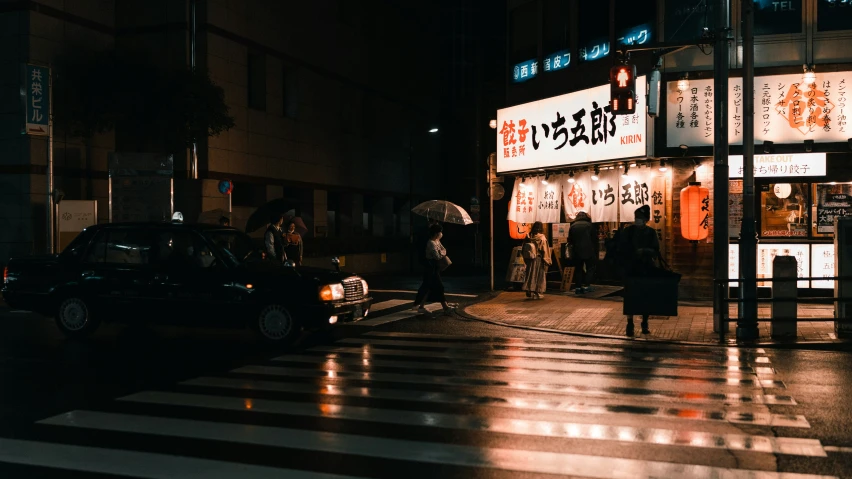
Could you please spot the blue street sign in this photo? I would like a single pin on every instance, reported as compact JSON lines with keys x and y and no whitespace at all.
{"x":37,"y":84}
{"x":594,"y":50}
{"x":638,"y":35}
{"x":557,"y":61}
{"x":524,"y":71}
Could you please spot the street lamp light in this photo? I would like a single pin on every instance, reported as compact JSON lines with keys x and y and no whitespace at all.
{"x":433,"y":130}
{"x":809,"y":76}
{"x":493,"y":124}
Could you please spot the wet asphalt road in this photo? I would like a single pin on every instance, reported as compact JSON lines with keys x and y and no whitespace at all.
{"x":424,"y":396}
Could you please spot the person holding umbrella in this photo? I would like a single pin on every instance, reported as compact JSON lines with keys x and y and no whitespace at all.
{"x":436,"y":261}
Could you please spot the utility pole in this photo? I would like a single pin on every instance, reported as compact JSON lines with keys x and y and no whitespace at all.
{"x":747,"y":321}
{"x":720,"y":168}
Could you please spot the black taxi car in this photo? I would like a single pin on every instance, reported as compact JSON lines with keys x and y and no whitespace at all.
{"x":181,"y":274}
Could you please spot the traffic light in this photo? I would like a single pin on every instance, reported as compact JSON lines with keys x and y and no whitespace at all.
{"x":622,"y":86}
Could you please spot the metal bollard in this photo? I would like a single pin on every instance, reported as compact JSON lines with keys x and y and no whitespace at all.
{"x":784,"y":273}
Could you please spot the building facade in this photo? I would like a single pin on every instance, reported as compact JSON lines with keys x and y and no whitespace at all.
{"x":802,"y":137}
{"x":331,"y":117}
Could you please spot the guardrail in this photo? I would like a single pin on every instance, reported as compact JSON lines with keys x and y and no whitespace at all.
{"x":723,"y":287}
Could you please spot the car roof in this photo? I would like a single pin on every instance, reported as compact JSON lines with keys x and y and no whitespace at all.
{"x":166,"y":225}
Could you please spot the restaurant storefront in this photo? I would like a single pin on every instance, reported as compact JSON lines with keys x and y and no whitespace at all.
{"x":567,"y":154}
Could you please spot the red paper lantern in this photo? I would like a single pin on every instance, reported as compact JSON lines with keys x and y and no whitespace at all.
{"x":519,"y":230}
{"x":695,"y":212}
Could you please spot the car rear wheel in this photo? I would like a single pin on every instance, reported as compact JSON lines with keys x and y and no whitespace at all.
{"x":74,"y":318}
{"x":276,"y":325}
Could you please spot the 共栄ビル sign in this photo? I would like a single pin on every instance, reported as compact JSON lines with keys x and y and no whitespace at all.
{"x":37,"y":84}
{"x":570,"y":129}
{"x":785,"y":110}
{"x":781,"y":165}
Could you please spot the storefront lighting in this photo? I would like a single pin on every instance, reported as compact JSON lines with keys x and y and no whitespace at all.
{"x":571,"y":177}
{"x":433,"y":130}
{"x":683,"y":82}
{"x":809,"y":76}
{"x":809,"y":146}
{"x":633,"y":165}
{"x":767,"y":147}
{"x":663,"y":165}
{"x":782,"y":190}
{"x":692,"y":200}
{"x":544,"y":180}
{"x":626,"y":170}
{"x":493,"y":124}
{"x":596,"y":174}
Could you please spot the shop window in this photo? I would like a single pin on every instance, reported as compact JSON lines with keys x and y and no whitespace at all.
{"x":833,"y":200}
{"x":834,"y":15}
{"x":773,"y":17}
{"x":784,"y":211}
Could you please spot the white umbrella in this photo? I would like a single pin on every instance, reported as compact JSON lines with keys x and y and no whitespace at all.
{"x":443,"y":211}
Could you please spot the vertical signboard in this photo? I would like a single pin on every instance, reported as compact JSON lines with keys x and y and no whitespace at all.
{"x":37,"y":90}
{"x":833,"y":201}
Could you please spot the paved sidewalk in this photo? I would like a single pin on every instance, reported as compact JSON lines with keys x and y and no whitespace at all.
{"x":694,"y":323}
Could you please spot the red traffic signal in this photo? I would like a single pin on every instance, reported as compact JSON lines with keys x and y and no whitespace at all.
{"x":622,"y":85}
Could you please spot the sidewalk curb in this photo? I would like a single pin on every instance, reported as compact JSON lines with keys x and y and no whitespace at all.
{"x":813,"y":345}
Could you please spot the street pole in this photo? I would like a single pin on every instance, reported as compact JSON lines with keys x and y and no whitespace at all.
{"x":747,"y":321}
{"x":412,"y":254}
{"x":720,"y":169}
{"x":491,"y":159}
{"x":193,"y":161}
{"x":51,"y":205}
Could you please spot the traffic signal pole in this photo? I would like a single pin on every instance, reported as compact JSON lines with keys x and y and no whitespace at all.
{"x":721,"y":234}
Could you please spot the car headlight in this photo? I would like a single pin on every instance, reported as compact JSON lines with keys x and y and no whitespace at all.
{"x":331,"y":292}
{"x":364,"y":285}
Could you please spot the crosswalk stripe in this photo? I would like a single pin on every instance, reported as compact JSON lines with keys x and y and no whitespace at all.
{"x":398,"y":449}
{"x":523,"y":363}
{"x":757,"y":418}
{"x":137,"y":464}
{"x":409,"y":291}
{"x":495,"y":379}
{"x":738,"y":442}
{"x":389,"y":318}
{"x":508,"y":367}
{"x":553,"y":350}
{"x":547,"y":402}
{"x":503,"y":340}
{"x":392,"y":303}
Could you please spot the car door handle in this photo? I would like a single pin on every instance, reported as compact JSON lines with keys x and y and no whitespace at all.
{"x":87,"y":273}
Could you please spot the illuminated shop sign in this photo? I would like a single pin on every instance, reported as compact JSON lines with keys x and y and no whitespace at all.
{"x":524,"y":71}
{"x":780,"y":165}
{"x":786,"y":110}
{"x":595,"y":50}
{"x":638,"y":35}
{"x":569,"y":129}
{"x":557,"y":61}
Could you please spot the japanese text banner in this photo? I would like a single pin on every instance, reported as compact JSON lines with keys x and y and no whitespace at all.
{"x":785,"y":110}
{"x":577,"y":196}
{"x":549,"y":199}
{"x":522,"y":206}
{"x":569,"y":129}
{"x":635,"y":191}
{"x":604,"y":195}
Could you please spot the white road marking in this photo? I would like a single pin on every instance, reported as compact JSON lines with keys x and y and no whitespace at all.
{"x":407,"y":291}
{"x":389,"y":318}
{"x":838,"y":449}
{"x":520,"y":426}
{"x":397,"y":449}
{"x":392,"y":303}
{"x":137,"y":464}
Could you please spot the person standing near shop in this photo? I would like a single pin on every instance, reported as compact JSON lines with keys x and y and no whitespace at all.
{"x":639,"y":250}
{"x":537,"y":257}
{"x":274,"y":241}
{"x":583,"y":240}
{"x":293,"y":247}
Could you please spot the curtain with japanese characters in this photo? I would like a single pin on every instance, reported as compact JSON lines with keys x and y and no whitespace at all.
{"x":549,"y":199}
{"x":522,"y":206}
{"x":635,"y":191}
{"x":605,"y":196}
{"x":577,"y":196}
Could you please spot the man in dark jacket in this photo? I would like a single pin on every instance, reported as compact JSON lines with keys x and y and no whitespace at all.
{"x":641,"y":249}
{"x":583,"y":239}
{"x":273,"y":240}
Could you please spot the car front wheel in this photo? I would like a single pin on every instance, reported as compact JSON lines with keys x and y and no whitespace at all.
{"x":276,"y":325}
{"x":74,"y":318}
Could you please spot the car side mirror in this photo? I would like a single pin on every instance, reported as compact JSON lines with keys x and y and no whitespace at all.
{"x":336,"y":262}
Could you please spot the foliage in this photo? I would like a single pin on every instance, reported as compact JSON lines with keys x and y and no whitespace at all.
{"x":98,"y":93}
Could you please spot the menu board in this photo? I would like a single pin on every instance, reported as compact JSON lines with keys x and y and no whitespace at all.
{"x":833,"y":201}
{"x":735,"y":208}
{"x":766,"y":253}
{"x":822,"y":264}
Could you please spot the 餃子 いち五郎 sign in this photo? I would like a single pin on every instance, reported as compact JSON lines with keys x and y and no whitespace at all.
{"x":569,"y":129}
{"x":786,"y":110}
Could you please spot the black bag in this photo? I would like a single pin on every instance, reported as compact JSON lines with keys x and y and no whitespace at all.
{"x":653,"y":294}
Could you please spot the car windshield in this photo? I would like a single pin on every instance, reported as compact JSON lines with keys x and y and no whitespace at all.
{"x":238,"y":244}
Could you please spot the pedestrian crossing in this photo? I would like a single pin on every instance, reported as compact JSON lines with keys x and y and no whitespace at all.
{"x":390,"y":405}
